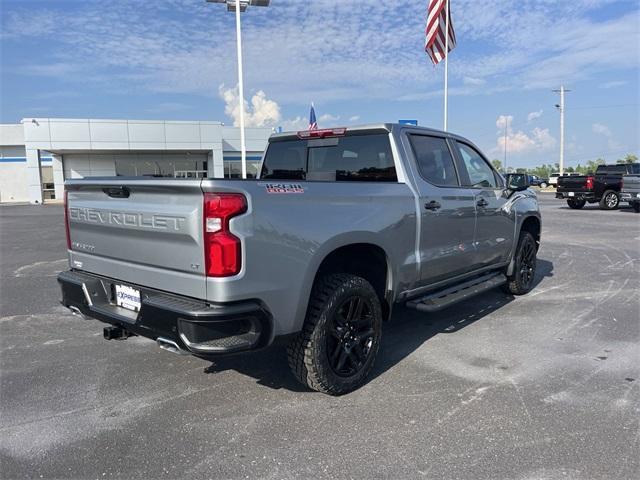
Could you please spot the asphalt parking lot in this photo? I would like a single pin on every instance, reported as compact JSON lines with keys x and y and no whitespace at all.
{"x":542,"y":386}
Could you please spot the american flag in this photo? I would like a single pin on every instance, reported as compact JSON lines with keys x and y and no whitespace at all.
{"x":436,"y":26}
{"x":313,"y":124}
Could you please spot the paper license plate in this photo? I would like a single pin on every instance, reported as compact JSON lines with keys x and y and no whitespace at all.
{"x":127,"y":297}
{"x":572,"y":194}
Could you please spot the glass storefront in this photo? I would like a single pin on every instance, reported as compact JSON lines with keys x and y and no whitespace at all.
{"x":161,"y":167}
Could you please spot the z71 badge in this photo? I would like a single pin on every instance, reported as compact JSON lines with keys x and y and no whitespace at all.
{"x":284,"y":188}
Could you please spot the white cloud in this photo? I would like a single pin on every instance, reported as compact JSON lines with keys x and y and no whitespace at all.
{"x":613,"y":84}
{"x":539,"y":139}
{"x":262,"y":113}
{"x":601,"y":129}
{"x":327,"y":118}
{"x":533,"y":115}
{"x":473,"y":81}
{"x":354,"y":119}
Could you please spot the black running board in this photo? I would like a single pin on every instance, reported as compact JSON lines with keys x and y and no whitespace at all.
{"x":445,"y":298}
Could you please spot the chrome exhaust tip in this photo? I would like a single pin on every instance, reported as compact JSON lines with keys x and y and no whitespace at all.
{"x":170,"y":346}
{"x":76,"y":311}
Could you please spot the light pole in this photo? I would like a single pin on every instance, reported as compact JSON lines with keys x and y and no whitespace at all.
{"x":560,"y":107}
{"x":239,"y":6}
{"x":506,"y":132}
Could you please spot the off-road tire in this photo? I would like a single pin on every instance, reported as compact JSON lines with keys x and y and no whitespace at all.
{"x":576,"y":204}
{"x":607,"y":202}
{"x":518,"y":283}
{"x":308,"y":352}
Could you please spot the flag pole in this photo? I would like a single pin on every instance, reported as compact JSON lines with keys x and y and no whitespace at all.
{"x":446,"y":66}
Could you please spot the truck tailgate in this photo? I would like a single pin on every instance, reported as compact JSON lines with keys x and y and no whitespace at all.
{"x":572,"y":183}
{"x":141,"y":231}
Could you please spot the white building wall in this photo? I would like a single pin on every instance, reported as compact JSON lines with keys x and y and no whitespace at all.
{"x":13,"y":172}
{"x":93,"y":147}
{"x":13,"y":182}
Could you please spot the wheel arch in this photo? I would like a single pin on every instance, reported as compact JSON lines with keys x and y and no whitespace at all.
{"x":364,"y":259}
{"x":533,"y":225}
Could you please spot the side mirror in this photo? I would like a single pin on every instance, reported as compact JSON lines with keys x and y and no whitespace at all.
{"x":517,"y":182}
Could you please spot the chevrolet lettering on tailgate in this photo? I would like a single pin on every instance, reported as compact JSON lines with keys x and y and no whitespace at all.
{"x":126,"y":219}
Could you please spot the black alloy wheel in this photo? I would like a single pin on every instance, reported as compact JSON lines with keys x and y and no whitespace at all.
{"x":522,"y":276}
{"x":351,"y":339}
{"x":527,"y":264}
{"x":338,"y":344}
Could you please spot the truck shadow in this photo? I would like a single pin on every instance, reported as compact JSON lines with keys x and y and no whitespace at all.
{"x":408,"y":330}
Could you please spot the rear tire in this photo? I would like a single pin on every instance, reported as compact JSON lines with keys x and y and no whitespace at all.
{"x":576,"y":204}
{"x":524,"y":271}
{"x":636,"y":207}
{"x":337,"y":346}
{"x":610,"y":200}
{"x":543,"y":185}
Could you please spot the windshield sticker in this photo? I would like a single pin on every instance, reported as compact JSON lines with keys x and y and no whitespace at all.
{"x":284,"y":188}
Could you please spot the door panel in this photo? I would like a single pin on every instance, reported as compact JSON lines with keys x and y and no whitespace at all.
{"x":494,"y":227}
{"x":494,"y":221}
{"x":447,"y":216}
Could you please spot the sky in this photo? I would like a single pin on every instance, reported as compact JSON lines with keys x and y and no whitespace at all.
{"x":359,"y":61}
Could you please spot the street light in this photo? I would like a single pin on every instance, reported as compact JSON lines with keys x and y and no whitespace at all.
{"x":239,"y":6}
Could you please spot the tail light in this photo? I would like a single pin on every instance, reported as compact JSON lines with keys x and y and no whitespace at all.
{"x":222,"y":249}
{"x":66,"y":219}
{"x":329,"y":132}
{"x":589,"y":183}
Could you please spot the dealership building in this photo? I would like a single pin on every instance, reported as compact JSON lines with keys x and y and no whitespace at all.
{"x":39,"y":154}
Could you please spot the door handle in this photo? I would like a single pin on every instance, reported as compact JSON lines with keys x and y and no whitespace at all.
{"x":482,"y":203}
{"x":432,"y":205}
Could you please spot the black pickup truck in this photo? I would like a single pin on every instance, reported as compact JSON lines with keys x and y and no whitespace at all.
{"x":603,"y":187}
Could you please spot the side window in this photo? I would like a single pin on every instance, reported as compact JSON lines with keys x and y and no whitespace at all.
{"x":480,"y":173}
{"x":434,"y":160}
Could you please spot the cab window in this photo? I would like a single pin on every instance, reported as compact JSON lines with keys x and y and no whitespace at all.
{"x":480,"y":174}
{"x":434,"y":160}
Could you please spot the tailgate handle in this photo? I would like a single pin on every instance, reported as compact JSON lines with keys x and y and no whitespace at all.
{"x":117,"y":192}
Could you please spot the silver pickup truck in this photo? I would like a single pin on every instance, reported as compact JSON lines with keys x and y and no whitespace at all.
{"x":630,"y":191}
{"x":340,"y":226}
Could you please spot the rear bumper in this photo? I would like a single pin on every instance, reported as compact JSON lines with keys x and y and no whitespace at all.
{"x":588,"y":196}
{"x":200,"y":328}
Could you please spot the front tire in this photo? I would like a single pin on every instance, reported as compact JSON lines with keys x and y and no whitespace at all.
{"x":636,"y":207}
{"x":524,"y":271}
{"x":576,"y":204}
{"x":610,"y":200}
{"x":337,"y":346}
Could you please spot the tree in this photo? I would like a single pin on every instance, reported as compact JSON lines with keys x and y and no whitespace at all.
{"x":497,"y":164}
{"x":629,"y":158}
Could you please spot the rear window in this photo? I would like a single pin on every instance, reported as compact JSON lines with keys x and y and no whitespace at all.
{"x":611,"y":169}
{"x":356,"y":158}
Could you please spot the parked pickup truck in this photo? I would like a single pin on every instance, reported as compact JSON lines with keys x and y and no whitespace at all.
{"x":630,"y":191}
{"x":602,"y":188}
{"x":340,"y":226}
